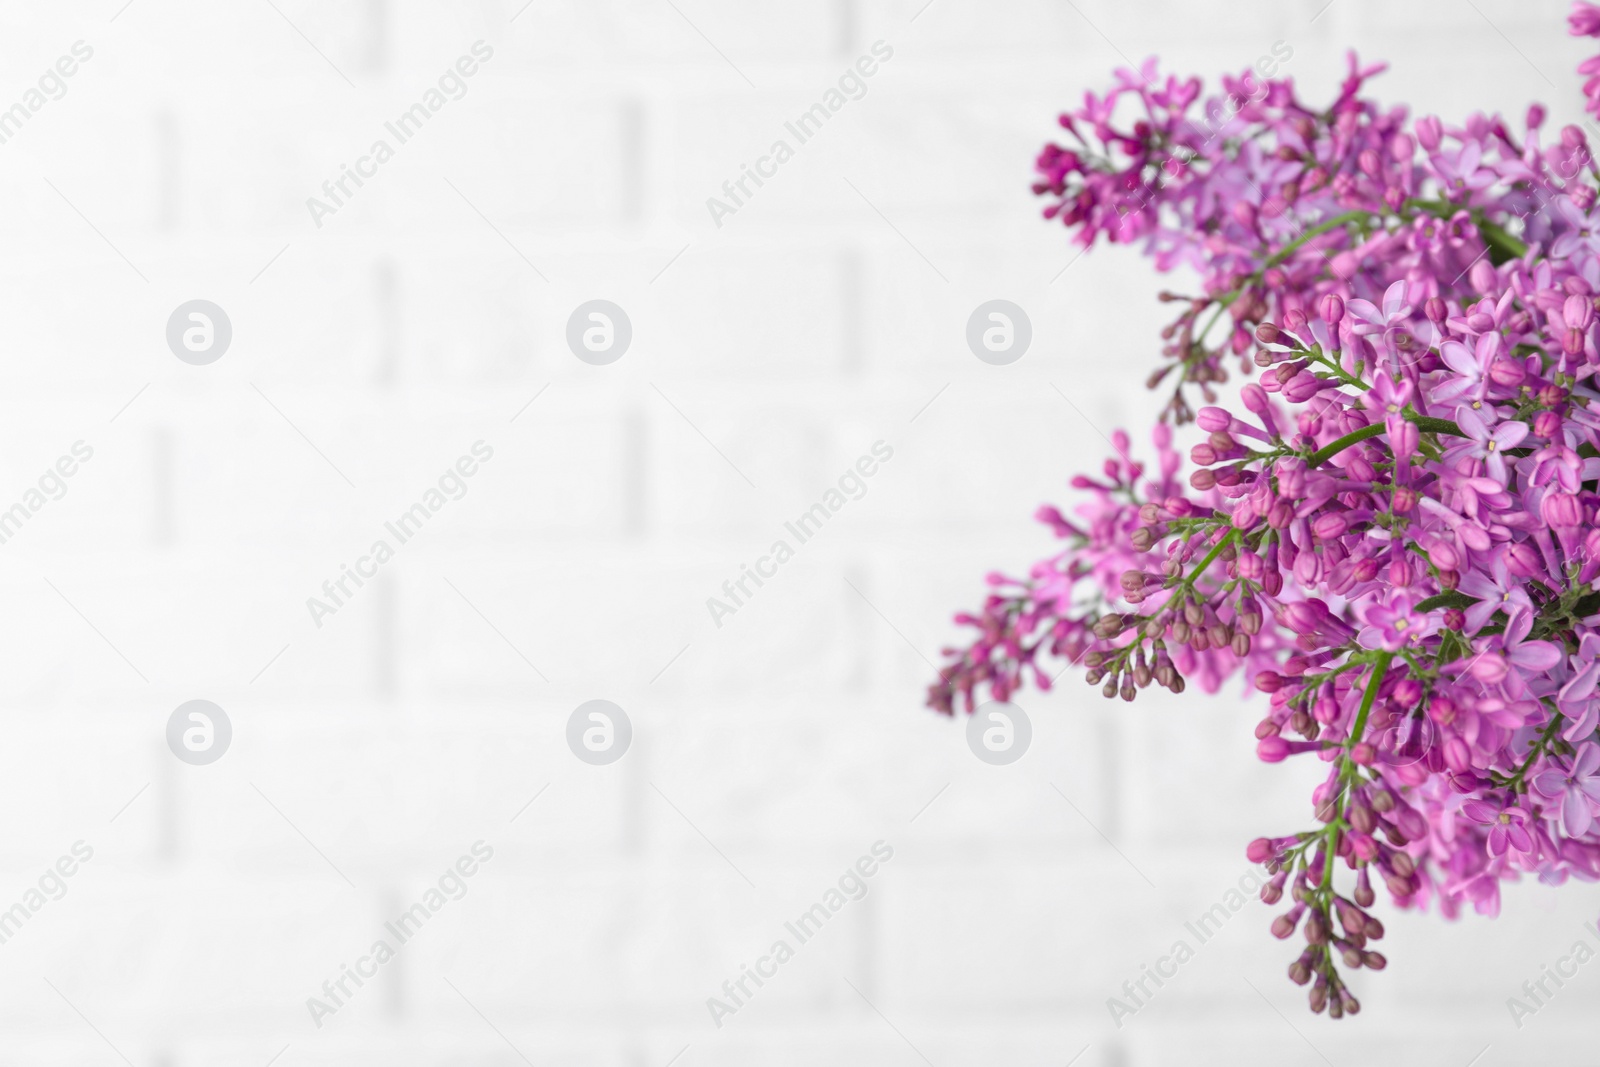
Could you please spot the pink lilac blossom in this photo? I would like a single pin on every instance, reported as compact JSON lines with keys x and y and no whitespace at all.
{"x":1393,"y":534}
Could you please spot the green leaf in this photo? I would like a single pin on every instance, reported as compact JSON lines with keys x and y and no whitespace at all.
{"x":1450,"y":598}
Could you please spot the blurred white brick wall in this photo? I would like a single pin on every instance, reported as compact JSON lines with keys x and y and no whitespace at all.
{"x":768,"y":754}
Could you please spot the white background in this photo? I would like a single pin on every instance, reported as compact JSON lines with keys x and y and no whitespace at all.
{"x":370,"y":753}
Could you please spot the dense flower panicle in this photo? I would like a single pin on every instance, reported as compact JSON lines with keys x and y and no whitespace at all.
{"x":1394,"y":534}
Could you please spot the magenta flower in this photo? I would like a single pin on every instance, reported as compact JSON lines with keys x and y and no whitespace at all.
{"x":1394,"y":624}
{"x":1533,"y":657}
{"x":1394,"y":316}
{"x":1580,"y":229}
{"x":1578,"y":699}
{"x":1577,"y":789}
{"x":1487,"y":445}
{"x":1388,"y":397}
{"x":1496,"y":591}
{"x":1353,"y":268}
{"x":1584,"y":20}
{"x":1470,"y":368}
{"x":1462,"y":172}
{"x":1507,"y":826}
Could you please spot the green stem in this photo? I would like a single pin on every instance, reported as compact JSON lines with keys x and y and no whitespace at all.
{"x":1278,"y":257}
{"x":1494,"y":235}
{"x":1556,"y":720}
{"x":1379,"y":669}
{"x":1216,"y":550}
{"x":1343,"y":375}
{"x":1306,"y":235}
{"x":1423,"y":423}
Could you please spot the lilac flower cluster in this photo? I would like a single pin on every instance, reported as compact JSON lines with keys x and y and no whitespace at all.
{"x":1393,"y":534}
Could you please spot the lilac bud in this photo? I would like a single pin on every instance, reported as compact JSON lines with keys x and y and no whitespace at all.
{"x":1331,"y":309}
{"x":1328,"y":527}
{"x":1561,"y":510}
{"x":1364,"y":894}
{"x":1301,"y":617}
{"x":1484,"y":280}
{"x":1546,"y":424}
{"x":1362,"y":844}
{"x":1507,"y":373}
{"x":1272,"y":750}
{"x":1436,"y":310}
{"x":1443,"y":555}
{"x":1112,"y":624}
{"x":1429,"y":133}
{"x":1318,"y":997}
{"x":1577,"y":312}
{"x":1412,"y":823}
{"x":1400,"y":887}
